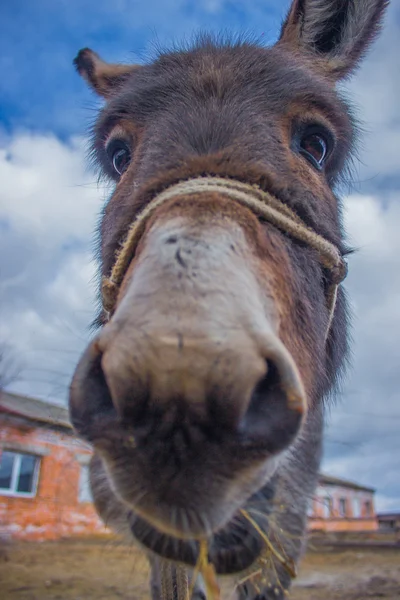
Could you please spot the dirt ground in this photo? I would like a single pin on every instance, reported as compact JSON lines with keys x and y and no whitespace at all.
{"x":100,"y":570}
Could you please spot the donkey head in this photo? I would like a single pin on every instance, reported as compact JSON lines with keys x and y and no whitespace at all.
{"x":217,"y":347}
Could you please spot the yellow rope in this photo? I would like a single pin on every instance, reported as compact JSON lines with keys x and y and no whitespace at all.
{"x":207,"y":570}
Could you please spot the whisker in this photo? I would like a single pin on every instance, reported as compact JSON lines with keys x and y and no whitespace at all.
{"x":278,"y":556}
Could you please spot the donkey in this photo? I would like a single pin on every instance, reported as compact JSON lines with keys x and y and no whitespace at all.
{"x":224,"y":327}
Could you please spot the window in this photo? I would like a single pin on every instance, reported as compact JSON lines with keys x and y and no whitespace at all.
{"x":356,"y":508}
{"x":327,"y":507}
{"x":342,"y":507}
{"x":85,"y":493}
{"x":368,"y":509}
{"x":18,"y":474}
{"x":310,"y":508}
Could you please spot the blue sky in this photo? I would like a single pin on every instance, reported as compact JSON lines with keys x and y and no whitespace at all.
{"x":50,"y":201}
{"x":42,"y":92}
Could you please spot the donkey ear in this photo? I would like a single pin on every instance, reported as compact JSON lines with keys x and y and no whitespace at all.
{"x":104,"y":78}
{"x":337,"y":32}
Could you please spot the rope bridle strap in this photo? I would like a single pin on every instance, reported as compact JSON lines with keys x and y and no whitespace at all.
{"x":263,"y":204}
{"x":174,"y":581}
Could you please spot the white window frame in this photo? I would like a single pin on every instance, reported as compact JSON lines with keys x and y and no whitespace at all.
{"x":368,"y":509}
{"x":327,"y":506}
{"x":16,"y":471}
{"x":310,"y":509}
{"x":343,"y":507}
{"x":84,"y":490}
{"x":357,"y":508}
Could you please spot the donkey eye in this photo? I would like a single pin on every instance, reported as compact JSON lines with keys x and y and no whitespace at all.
{"x":315,"y":146}
{"x":120,"y":155}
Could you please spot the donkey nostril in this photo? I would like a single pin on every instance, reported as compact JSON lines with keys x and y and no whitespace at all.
{"x":90,"y":396}
{"x":267,"y":396}
{"x":128,"y":386}
{"x":270,"y":383}
{"x":97,"y":385}
{"x":270,"y":420}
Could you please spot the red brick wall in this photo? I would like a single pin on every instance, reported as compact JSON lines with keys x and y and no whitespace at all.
{"x":55,"y":511}
{"x":343,"y":525}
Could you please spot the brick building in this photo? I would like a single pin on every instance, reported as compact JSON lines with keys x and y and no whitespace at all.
{"x":44,"y":491}
{"x":341,"y":505}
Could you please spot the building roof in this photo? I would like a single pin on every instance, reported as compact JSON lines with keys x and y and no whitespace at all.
{"x":34,"y":409}
{"x":328,"y":480}
{"x":388,"y":516}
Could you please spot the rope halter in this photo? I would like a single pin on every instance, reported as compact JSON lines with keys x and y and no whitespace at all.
{"x":264,"y":205}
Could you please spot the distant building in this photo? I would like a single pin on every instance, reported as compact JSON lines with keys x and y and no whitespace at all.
{"x":389,"y":522}
{"x":44,"y":486}
{"x":341,"y":505}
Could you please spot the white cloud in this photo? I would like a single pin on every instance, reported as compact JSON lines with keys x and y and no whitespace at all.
{"x":48,"y":210}
{"x":212,"y":6}
{"x":363,"y":439}
{"x":45,"y":189}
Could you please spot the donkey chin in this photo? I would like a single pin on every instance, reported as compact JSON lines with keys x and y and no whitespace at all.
{"x":188,"y":394}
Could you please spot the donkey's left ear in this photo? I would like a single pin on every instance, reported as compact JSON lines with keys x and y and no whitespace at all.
{"x":336,"y":33}
{"x":104,"y":78}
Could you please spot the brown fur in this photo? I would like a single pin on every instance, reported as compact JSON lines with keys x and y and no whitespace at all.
{"x":181,"y":392}
{"x":104,"y":77}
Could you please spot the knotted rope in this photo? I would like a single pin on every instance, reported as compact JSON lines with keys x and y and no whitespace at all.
{"x":263,"y":204}
{"x":174,"y":582}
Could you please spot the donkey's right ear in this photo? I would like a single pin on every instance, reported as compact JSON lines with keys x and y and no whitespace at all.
{"x":104,"y":78}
